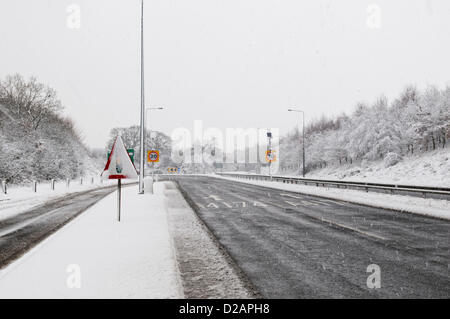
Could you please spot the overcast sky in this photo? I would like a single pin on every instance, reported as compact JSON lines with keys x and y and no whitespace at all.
{"x":230,"y":63}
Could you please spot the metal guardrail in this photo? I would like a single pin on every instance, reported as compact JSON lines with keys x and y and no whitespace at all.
{"x":411,"y":190}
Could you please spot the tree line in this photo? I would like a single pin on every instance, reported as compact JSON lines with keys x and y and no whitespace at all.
{"x":36,"y":141}
{"x":415,"y":122}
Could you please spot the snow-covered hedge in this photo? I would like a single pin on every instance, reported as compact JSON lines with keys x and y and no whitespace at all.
{"x":391,"y":159}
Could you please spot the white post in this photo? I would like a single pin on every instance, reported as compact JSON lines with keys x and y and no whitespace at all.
{"x":142,"y":137}
{"x":52,"y":184}
{"x":4,"y":187}
{"x":34,"y":186}
{"x":119,"y":195}
{"x":68,"y":182}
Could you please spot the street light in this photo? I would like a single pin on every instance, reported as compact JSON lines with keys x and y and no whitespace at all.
{"x":148,"y":109}
{"x":303,"y":138}
{"x":142,"y":131}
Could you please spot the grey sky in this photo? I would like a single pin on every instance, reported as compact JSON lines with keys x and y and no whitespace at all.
{"x":233,"y":63}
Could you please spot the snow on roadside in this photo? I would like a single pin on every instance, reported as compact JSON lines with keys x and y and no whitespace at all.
{"x":130,"y":259}
{"x":424,"y":169}
{"x":408,"y":204}
{"x":21,"y":199}
{"x":204,"y":268}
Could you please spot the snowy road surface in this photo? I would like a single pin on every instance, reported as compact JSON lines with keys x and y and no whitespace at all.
{"x":19,"y":233}
{"x":295,"y":246}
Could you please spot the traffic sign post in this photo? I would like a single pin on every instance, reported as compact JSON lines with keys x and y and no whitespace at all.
{"x":119,"y":166}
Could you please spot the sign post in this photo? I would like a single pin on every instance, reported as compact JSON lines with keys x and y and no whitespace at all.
{"x":119,"y":198}
{"x":119,"y":166}
{"x":153,"y":157}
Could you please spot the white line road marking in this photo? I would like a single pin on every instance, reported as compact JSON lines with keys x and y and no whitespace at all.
{"x":259,"y":204}
{"x":228,"y":205}
{"x":353,"y":229}
{"x":244,"y":204}
{"x":215,"y":197}
{"x":291,"y":203}
{"x":212,"y":205}
{"x":289,"y":195}
{"x":200,"y":205}
{"x":305,"y":202}
{"x":333,"y":223}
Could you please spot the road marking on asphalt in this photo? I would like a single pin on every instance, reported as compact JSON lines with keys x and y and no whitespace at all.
{"x":259,"y":204}
{"x":215,"y":197}
{"x":306,"y":202}
{"x":353,"y":229}
{"x":331,"y":222}
{"x":200,"y":205}
{"x":289,"y":195}
{"x":212,"y":205}
{"x":244,"y":204}
{"x":291,"y":203}
{"x":228,"y":205}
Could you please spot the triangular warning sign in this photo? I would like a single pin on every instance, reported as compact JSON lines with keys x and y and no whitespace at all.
{"x":119,"y":165}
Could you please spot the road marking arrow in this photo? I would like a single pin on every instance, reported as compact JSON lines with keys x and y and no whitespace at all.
{"x":212,"y":205}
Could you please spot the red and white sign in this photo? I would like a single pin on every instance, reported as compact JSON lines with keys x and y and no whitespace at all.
{"x":119,"y":165}
{"x":153,"y":156}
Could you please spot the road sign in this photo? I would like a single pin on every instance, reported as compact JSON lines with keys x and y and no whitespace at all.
{"x":270,"y":156}
{"x":172,"y":170}
{"x":153,"y":156}
{"x":130,"y":153}
{"x":119,"y":164}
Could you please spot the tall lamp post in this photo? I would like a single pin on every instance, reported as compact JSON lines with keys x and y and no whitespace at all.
{"x":303,"y":138}
{"x":142,"y":133}
{"x":147,"y":110}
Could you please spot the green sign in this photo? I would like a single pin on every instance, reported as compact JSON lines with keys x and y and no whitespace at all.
{"x":131,"y":154}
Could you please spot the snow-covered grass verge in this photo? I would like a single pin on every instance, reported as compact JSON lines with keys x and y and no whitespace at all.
{"x":94,"y":256}
{"x":20,"y":199}
{"x":408,"y":204}
{"x":423,"y":169}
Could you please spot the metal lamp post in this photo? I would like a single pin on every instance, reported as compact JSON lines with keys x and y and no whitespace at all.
{"x":303,"y":138}
{"x":142,"y":131}
{"x":147,"y":117}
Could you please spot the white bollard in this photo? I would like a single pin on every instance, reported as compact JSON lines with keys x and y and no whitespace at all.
{"x":68,"y":182}
{"x":52,"y":184}
{"x":4,"y":190}
{"x":34,"y":186}
{"x":148,"y":185}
